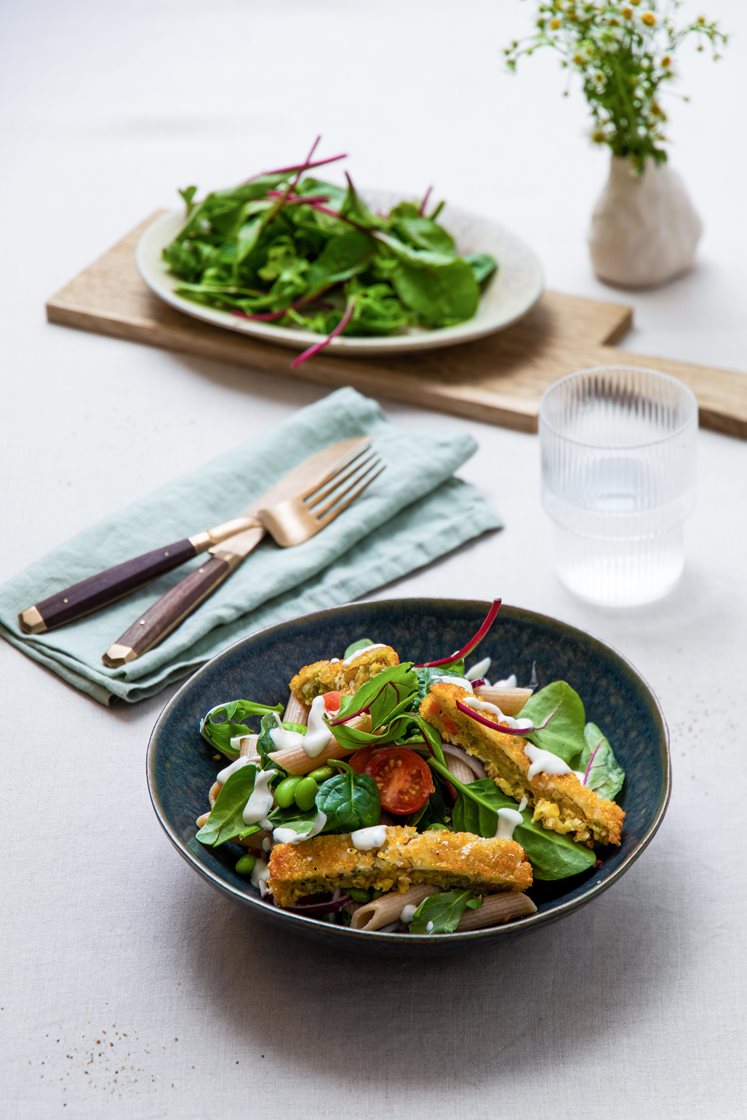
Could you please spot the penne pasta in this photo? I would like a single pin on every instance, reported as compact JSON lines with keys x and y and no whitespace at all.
{"x":215,"y":789}
{"x":295,"y":711}
{"x":496,"y":909}
{"x":509,"y":700}
{"x":295,"y":760}
{"x":248,"y":747}
{"x":387,"y":909}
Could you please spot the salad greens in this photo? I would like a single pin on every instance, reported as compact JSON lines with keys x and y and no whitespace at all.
{"x":226,"y":821}
{"x":229,"y":721}
{"x":349,"y":801}
{"x":602,"y":772}
{"x":441,"y":913}
{"x":287,"y":248}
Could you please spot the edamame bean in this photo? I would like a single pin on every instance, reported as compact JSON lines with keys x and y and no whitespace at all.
{"x":246,"y":864}
{"x":322,"y":774}
{"x":285,"y":791}
{"x":358,"y":895}
{"x":438,"y":828}
{"x":305,"y":793}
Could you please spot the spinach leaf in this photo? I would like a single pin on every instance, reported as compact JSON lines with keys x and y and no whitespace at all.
{"x":605,"y":775}
{"x":342,"y":257}
{"x":228,"y":721}
{"x":552,"y":855}
{"x":349,"y":800}
{"x":422,"y":233}
{"x":483,"y":267}
{"x":383,"y":697}
{"x":226,"y":821}
{"x":440,"y":290}
{"x":355,"y":646}
{"x":441,"y":913}
{"x":563,"y":709}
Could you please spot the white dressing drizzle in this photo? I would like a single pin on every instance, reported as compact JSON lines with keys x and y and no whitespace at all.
{"x":508,"y":820}
{"x":359,"y":652}
{"x":521,"y":723}
{"x":479,"y":670}
{"x":259,"y":877}
{"x":223,"y":775}
{"x":316,"y":738}
{"x":510,"y":682}
{"x":408,"y":913}
{"x":463,"y":682}
{"x":544,"y":762}
{"x":260,"y":799}
{"x":283,"y":835}
{"x":366,"y":839}
{"x":581,"y":776}
{"x":523,"y":804}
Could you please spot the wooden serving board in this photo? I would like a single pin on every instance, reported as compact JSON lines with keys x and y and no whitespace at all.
{"x":498,"y":379}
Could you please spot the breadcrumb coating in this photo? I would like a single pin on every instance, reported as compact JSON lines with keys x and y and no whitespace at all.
{"x":335,"y":676}
{"x":561,"y":802}
{"x":407,"y":857}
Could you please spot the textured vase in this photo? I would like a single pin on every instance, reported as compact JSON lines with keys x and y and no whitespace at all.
{"x":644,"y":229}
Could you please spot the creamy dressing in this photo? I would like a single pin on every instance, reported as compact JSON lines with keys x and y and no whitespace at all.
{"x":429,"y":927}
{"x":508,"y":820}
{"x":478,"y":670}
{"x":260,"y":799}
{"x":463,"y":682}
{"x":408,"y":913}
{"x":359,"y":652}
{"x":223,"y":775}
{"x":544,"y":762}
{"x":581,"y":776}
{"x":366,"y":839}
{"x":510,"y":682}
{"x":283,"y":835}
{"x":259,"y":877}
{"x":523,"y":804}
{"x":521,"y":724}
{"x":316,"y":738}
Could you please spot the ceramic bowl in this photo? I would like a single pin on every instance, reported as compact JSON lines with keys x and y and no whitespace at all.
{"x":181,"y":765}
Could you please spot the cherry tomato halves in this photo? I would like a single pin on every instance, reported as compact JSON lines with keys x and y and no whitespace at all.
{"x":332,"y":701}
{"x":403,"y":777}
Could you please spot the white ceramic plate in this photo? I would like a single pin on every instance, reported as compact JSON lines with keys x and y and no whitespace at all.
{"x":512,"y":291}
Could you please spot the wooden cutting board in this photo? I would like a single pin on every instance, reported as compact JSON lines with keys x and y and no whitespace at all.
{"x":498,"y":379}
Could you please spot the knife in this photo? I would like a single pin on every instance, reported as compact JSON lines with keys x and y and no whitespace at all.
{"x":113,"y":583}
{"x":172,"y":608}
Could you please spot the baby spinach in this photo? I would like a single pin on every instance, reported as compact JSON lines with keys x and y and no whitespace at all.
{"x":602,"y":772}
{"x":362,"y":643}
{"x":383,"y":698}
{"x":349,"y":800}
{"x":561,"y":709}
{"x":552,"y":855}
{"x":441,"y":913}
{"x":228,"y":721}
{"x":226,"y":821}
{"x":299,"y":251}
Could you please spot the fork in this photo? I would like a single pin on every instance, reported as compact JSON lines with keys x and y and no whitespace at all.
{"x":290,"y":523}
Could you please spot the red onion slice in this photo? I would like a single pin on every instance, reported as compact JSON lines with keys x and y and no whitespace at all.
{"x":317,"y":909}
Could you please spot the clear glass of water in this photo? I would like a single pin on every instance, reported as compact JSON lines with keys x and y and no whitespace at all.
{"x":618,"y":481}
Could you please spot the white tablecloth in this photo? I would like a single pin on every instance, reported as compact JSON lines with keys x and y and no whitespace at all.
{"x":129,"y":988}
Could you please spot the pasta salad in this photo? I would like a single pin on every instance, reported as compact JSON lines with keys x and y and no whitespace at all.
{"x":417,"y":798}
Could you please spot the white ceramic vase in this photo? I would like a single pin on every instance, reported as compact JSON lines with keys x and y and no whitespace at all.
{"x":644,"y":229}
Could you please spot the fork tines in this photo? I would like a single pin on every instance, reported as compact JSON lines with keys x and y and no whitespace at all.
{"x":343,"y":485}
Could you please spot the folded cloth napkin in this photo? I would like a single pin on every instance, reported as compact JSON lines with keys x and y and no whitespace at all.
{"x":414,"y":512}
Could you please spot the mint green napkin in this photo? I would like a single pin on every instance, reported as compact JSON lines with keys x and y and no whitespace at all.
{"x":415,"y":512}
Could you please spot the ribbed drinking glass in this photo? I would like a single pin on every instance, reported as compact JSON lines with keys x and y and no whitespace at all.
{"x":618,"y":481}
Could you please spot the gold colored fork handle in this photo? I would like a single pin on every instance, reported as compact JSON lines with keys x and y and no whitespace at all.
{"x":167,"y":612}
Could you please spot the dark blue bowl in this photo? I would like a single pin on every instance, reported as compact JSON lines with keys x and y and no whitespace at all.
{"x":181,"y":767}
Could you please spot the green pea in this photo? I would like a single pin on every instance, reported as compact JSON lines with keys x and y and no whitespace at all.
{"x":438,"y":828}
{"x":358,"y":895}
{"x":246,"y":864}
{"x":322,"y":774}
{"x":305,"y":793}
{"x":284,"y":792}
